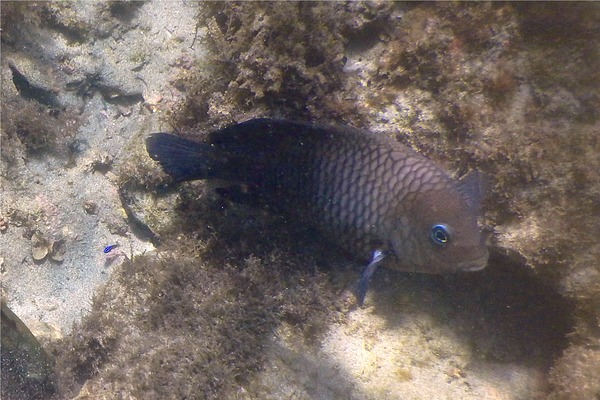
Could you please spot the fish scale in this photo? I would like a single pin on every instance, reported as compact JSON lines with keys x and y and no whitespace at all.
{"x":369,"y":194}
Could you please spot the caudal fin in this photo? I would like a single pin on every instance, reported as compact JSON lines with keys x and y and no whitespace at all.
{"x":182,"y":159}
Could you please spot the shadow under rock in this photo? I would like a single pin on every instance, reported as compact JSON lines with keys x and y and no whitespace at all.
{"x":505,"y":313}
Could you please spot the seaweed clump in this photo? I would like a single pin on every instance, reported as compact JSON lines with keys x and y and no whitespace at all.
{"x":180,"y":324}
{"x":30,"y":128}
{"x":33,"y":119}
{"x":575,"y":374}
{"x":282,"y":59}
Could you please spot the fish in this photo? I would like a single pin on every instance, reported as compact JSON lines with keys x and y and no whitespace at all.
{"x":369,"y":194}
{"x":109,"y":248}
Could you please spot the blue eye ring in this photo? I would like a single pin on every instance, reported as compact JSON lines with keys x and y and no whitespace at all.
{"x":440,"y":234}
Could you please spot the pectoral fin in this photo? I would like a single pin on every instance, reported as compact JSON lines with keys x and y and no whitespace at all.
{"x":363,"y":283}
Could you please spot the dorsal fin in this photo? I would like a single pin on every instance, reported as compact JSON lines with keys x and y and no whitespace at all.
{"x":472,"y":187}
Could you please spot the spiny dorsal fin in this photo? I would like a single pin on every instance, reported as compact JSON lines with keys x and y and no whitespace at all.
{"x":472,"y":187}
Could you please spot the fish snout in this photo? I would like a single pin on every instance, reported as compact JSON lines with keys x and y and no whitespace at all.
{"x":474,"y":265}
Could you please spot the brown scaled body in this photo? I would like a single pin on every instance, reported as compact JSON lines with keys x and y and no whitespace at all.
{"x":373,"y":196}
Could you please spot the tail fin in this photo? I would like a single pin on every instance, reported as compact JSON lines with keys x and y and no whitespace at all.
{"x":182,"y":159}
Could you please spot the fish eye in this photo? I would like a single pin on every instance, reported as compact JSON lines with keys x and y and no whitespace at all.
{"x":440,"y":234}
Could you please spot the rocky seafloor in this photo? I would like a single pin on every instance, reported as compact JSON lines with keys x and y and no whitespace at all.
{"x":207,"y":299}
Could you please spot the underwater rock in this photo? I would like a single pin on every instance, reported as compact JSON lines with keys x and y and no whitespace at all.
{"x":27,"y":370}
{"x":3,"y":223}
{"x":30,"y":86}
{"x":90,"y":207}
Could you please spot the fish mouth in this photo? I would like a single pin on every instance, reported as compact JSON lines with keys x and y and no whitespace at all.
{"x":474,"y":265}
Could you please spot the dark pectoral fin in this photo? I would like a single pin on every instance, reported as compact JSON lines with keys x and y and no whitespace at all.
{"x":363,"y":283}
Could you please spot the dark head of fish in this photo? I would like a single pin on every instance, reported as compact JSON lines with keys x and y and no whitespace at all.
{"x":435,"y":230}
